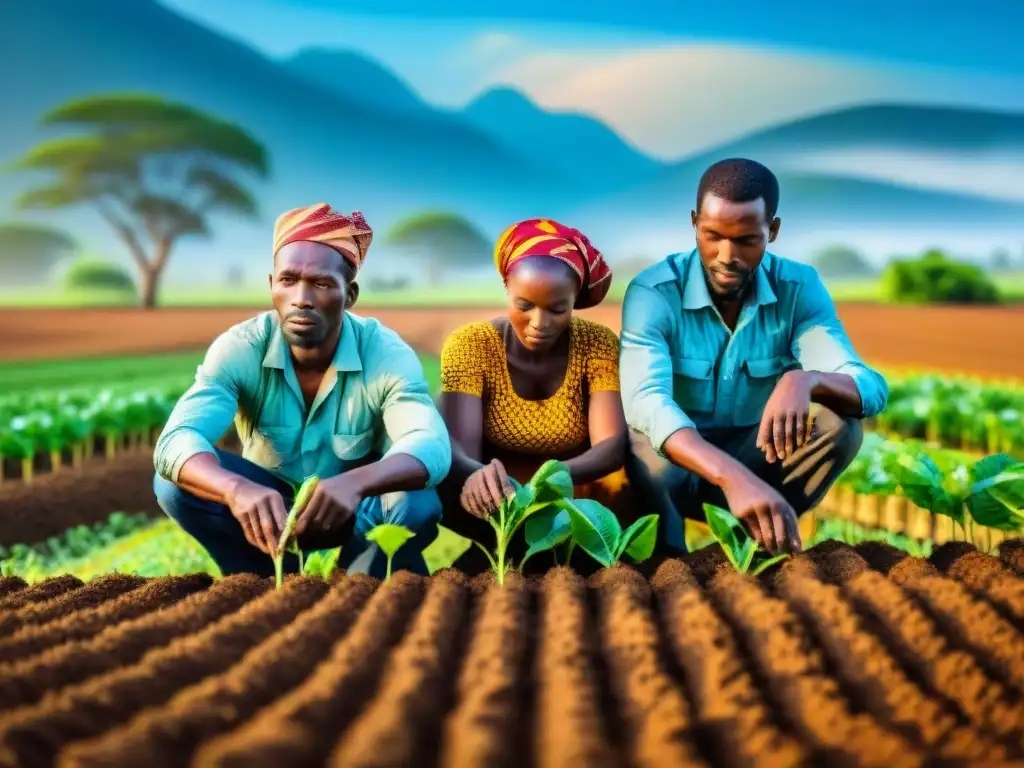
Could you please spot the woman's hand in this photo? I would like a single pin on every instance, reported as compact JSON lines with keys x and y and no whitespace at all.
{"x":485,"y":489}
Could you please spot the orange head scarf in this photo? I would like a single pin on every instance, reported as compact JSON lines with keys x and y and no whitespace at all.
{"x":544,"y":237}
{"x":319,"y":223}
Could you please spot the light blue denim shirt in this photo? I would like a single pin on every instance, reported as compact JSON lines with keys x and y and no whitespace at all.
{"x":374,"y":399}
{"x":680,"y":367}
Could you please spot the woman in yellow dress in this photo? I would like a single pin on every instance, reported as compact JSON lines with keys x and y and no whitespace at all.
{"x":536,"y":384}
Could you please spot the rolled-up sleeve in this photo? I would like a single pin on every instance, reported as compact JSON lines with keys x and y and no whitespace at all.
{"x":645,"y":366}
{"x":412,"y":422}
{"x":820,"y":344}
{"x":202,"y":415}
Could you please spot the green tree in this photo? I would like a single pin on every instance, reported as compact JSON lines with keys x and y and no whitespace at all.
{"x":841,"y":261}
{"x":28,"y":252}
{"x":444,"y":240}
{"x":90,"y":273}
{"x":935,"y":278}
{"x":154,"y":170}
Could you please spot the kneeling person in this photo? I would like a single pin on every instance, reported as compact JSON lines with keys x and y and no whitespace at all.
{"x":739,"y":383}
{"x":312,"y":389}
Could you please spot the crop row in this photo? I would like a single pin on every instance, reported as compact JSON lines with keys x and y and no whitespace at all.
{"x":840,"y":656}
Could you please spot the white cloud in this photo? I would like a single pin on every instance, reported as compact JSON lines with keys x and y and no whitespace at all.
{"x":677,"y":99}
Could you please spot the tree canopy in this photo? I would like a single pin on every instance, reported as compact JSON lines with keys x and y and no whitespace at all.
{"x":444,"y":239}
{"x":28,"y":252}
{"x":154,"y":170}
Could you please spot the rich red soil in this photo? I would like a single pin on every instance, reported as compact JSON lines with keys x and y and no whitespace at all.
{"x":825,"y":660}
{"x":966,"y":339}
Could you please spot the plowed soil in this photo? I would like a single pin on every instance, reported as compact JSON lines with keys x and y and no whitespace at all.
{"x":964,"y":339}
{"x":840,"y":657}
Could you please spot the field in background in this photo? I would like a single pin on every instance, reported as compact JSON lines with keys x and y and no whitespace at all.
{"x":451,"y":294}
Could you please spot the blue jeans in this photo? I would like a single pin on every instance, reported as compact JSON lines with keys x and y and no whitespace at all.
{"x":220,"y":534}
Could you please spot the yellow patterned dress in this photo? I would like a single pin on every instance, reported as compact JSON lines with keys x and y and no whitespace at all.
{"x":473,"y":362}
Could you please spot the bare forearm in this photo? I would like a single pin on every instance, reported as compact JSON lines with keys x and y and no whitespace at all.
{"x":687,"y":449}
{"x":399,"y":472}
{"x":598,"y":461}
{"x":203,"y":476}
{"x":837,"y":391}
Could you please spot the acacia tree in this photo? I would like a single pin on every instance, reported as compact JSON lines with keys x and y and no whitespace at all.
{"x":29,"y":251}
{"x":445,"y":240}
{"x":154,"y":170}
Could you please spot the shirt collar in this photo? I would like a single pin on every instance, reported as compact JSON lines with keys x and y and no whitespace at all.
{"x":695,"y":290}
{"x":346,"y":356}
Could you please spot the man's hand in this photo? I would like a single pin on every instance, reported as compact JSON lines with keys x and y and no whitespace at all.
{"x":334,"y":501}
{"x":785,"y":423}
{"x":767,"y":515}
{"x":261,"y":513}
{"x":485,"y":489}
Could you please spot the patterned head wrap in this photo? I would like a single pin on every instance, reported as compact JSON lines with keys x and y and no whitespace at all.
{"x":319,"y":223}
{"x":544,"y":237}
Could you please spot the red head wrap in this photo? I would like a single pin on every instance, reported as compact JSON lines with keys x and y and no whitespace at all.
{"x":319,"y":223}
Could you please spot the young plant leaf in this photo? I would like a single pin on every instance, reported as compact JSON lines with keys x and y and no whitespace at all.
{"x":302,"y":498}
{"x":546,"y":530}
{"x":697,"y":535}
{"x":595,"y":529}
{"x":922,"y":482}
{"x":768,"y":563}
{"x":547,"y":469}
{"x":997,"y":501}
{"x":639,"y":539}
{"x":729,"y":532}
{"x":389,"y":537}
{"x":561,"y":483}
{"x":746,"y":554}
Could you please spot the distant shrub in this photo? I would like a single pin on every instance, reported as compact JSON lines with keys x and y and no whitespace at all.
{"x":837,"y":261}
{"x":935,"y":278}
{"x":97,"y":274}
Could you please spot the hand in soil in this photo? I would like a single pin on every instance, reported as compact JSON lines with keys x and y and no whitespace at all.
{"x":784,"y":424}
{"x":485,"y":489}
{"x":334,"y":501}
{"x":769,"y":517}
{"x":261,"y":512}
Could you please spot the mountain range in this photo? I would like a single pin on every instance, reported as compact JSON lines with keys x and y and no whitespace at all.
{"x":343,"y":128}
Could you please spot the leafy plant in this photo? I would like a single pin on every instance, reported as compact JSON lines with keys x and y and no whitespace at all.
{"x":302,"y":498}
{"x":389,"y":538}
{"x":992,"y":489}
{"x":597,"y":531}
{"x":739,"y":546}
{"x":537,"y":501}
{"x":322,"y":563}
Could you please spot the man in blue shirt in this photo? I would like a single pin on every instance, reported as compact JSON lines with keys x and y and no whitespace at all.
{"x":739,"y":382}
{"x":312,"y":390}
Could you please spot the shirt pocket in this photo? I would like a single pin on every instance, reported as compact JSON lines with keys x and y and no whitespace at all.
{"x":353,"y":446}
{"x":754,"y":385}
{"x":693,"y":385}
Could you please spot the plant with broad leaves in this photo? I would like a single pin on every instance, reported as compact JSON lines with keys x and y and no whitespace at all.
{"x":322,"y":563}
{"x":302,"y":497}
{"x":991,"y":490}
{"x":596,"y":530}
{"x":390,"y":538}
{"x":739,"y":546}
{"x":537,"y":504}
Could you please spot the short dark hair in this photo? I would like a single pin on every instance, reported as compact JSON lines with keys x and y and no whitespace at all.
{"x":739,"y":180}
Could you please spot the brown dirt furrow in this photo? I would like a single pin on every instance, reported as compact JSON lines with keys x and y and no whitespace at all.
{"x":24,"y":683}
{"x":659,"y":724}
{"x":725,"y":697}
{"x":34,"y":735}
{"x":89,"y":596}
{"x":167,"y":736}
{"x":972,"y":624}
{"x":875,"y":680}
{"x":986,"y":575}
{"x":799,"y":684}
{"x":835,"y":561}
{"x":1011,"y":552}
{"x":301,"y":727}
{"x":947,"y":671}
{"x":11,"y":584}
{"x":402,"y":722}
{"x":485,"y":726}
{"x":570,"y":728}
{"x":156,"y":593}
{"x":40,"y":592}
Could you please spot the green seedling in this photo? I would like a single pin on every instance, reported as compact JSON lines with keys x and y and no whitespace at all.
{"x":596,"y":530}
{"x":537,"y":505}
{"x":389,"y":538}
{"x":739,"y":546}
{"x":991,"y":490}
{"x":322,"y":563}
{"x":302,"y":497}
